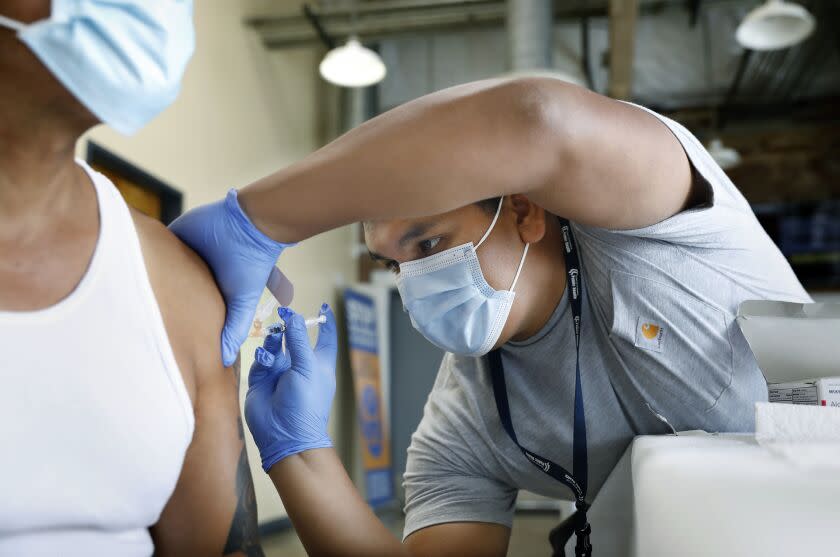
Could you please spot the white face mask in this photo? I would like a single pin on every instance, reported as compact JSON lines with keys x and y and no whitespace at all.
{"x":122,"y":59}
{"x":451,"y":303}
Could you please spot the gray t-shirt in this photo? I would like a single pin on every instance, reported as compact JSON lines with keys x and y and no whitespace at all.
{"x":659,"y":328}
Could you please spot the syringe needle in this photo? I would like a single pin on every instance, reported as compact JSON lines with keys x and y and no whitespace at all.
{"x":280,"y":326}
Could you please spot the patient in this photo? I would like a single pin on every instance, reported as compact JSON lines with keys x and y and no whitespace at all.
{"x":120,"y":428}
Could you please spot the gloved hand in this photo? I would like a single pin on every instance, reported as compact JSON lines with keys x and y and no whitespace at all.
{"x":290,"y":394}
{"x":240,"y":256}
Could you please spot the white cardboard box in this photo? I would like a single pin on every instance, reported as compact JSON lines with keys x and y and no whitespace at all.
{"x":828,"y":392}
{"x":793,"y":342}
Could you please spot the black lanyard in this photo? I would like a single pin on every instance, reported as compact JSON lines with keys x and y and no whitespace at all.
{"x":577,"y":480}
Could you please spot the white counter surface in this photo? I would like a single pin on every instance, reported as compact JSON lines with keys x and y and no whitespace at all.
{"x":700,"y":494}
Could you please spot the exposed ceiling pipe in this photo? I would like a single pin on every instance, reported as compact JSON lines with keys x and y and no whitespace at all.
{"x":529,"y":29}
{"x":623,"y":16}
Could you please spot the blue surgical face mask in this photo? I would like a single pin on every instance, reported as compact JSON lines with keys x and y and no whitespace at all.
{"x":450,"y":302}
{"x":122,"y":59}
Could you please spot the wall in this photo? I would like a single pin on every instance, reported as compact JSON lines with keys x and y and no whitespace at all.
{"x":787,"y":163}
{"x":242,"y":113}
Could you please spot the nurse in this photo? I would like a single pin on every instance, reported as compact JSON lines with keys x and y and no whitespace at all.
{"x":580,"y":259}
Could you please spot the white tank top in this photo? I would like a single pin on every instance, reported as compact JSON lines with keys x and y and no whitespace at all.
{"x":94,"y":415}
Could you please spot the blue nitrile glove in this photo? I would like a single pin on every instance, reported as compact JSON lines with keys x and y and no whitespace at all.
{"x":240,"y":256}
{"x":290,"y":394}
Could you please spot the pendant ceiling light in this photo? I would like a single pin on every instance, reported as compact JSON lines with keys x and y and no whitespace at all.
{"x":352,"y":65}
{"x":725,"y":157}
{"x":774,"y":25}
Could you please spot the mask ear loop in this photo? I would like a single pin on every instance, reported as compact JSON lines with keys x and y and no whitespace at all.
{"x":519,"y":270}
{"x":12,"y":24}
{"x":492,"y":224}
{"x":524,"y":253}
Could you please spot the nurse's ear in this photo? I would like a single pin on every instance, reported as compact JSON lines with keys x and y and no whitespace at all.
{"x":530,"y":218}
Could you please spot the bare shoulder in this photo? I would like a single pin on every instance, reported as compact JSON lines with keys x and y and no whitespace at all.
{"x":192,"y":307}
{"x":215,"y":492}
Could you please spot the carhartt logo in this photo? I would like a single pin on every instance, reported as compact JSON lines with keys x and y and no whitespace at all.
{"x":649,"y":335}
{"x":541,"y":463}
{"x":650,"y":331}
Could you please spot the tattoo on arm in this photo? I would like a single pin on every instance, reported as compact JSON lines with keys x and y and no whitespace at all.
{"x":243,"y":537}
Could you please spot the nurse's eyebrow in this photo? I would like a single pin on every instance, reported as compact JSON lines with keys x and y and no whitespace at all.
{"x":415,"y":232}
{"x":376,"y":257}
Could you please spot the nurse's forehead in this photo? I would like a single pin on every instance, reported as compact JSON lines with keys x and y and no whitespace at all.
{"x":400,"y":231}
{"x":386,"y":238}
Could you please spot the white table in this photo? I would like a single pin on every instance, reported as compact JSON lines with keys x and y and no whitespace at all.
{"x":700,"y":494}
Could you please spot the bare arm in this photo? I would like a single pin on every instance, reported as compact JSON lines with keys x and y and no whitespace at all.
{"x":575,"y":153}
{"x":331,"y":518}
{"x":212,"y":511}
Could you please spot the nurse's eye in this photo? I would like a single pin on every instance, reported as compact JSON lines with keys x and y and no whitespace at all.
{"x":426,"y":246}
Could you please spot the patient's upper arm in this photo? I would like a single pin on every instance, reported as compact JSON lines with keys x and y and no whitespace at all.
{"x":212,"y":510}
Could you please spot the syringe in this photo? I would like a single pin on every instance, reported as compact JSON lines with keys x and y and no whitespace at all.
{"x":280,"y":326}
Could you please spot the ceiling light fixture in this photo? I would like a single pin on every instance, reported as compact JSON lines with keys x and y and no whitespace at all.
{"x":352,"y":65}
{"x":725,"y":157}
{"x":774,"y":25}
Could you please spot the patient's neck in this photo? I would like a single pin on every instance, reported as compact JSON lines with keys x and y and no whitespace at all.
{"x":48,"y":210}
{"x":38,"y":176}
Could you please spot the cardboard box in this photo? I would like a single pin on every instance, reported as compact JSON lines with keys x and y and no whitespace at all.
{"x":802,"y":392}
{"x":822,"y":392}
{"x":797,"y":347}
{"x":828,"y":392}
{"x":792,"y":341}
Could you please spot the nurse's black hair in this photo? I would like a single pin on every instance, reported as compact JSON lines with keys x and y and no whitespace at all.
{"x":489,"y":205}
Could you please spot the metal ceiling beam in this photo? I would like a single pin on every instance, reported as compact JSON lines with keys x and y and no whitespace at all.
{"x":291,"y":31}
{"x":584,"y":52}
{"x":378,"y":19}
{"x":732,"y":92}
{"x":623,"y":16}
{"x":380,"y":6}
{"x":315,"y":22}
